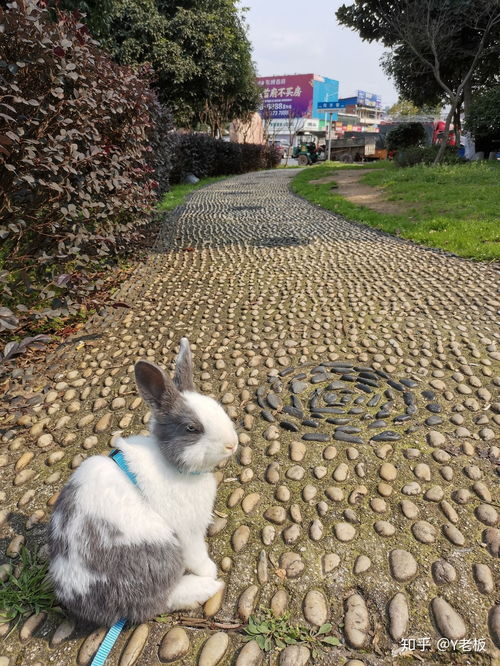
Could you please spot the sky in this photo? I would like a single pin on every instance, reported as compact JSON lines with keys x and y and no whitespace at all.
{"x":297,"y":37}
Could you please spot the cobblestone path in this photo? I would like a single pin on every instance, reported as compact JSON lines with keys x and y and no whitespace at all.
{"x":361,"y":370}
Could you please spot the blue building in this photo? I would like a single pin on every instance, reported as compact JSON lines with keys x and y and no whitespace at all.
{"x":324,"y":90}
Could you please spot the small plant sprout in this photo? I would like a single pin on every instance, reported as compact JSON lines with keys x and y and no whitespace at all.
{"x":275,"y":633}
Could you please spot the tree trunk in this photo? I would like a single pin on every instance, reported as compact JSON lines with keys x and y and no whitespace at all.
{"x":470,"y":146}
{"x":444,"y":140}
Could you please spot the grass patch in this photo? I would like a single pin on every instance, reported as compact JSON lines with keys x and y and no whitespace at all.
{"x":275,"y":633}
{"x":178,"y":193}
{"x":31,"y":592}
{"x":452,"y":207}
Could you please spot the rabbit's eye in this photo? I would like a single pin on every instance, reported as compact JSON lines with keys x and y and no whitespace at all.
{"x":191,"y":428}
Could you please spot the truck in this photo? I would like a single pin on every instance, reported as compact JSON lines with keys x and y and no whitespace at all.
{"x":434,"y":130}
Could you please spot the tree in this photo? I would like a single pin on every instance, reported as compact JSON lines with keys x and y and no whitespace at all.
{"x":449,"y":40}
{"x":198,"y":49}
{"x":405,"y":107}
{"x":484,"y":116}
{"x":406,"y":136}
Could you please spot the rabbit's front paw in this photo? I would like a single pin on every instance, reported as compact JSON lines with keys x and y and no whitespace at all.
{"x":206,"y":568}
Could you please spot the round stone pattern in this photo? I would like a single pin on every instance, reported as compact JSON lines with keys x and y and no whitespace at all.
{"x":343,"y":402}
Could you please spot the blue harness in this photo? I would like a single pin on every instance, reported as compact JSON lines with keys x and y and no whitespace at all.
{"x":112,"y":636}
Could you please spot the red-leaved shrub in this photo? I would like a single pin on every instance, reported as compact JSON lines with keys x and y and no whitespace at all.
{"x":76,"y":179}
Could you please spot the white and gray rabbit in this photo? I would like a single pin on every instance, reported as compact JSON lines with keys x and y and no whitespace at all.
{"x":121,"y":550}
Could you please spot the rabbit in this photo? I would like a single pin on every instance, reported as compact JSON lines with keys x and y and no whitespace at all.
{"x":119,"y":550}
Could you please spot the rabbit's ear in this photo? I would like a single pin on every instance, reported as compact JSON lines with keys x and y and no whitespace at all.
{"x":183,"y":377}
{"x":155,"y":386}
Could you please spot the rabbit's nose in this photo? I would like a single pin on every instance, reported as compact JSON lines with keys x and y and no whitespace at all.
{"x":231,"y":447}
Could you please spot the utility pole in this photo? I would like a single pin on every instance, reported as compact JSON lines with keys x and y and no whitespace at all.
{"x":330,"y":136}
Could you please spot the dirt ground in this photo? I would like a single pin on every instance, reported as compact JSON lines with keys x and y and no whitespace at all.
{"x":359,"y":193}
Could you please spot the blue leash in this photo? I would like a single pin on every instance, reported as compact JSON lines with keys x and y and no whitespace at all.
{"x":112,"y":636}
{"x":107,"y":645}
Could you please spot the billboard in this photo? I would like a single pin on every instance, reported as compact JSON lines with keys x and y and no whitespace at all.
{"x":283,"y":96}
{"x":369,"y":99}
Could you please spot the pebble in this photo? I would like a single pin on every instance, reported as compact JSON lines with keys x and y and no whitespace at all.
{"x":334,"y":494}
{"x":214,"y":649}
{"x":15,"y":545}
{"x":273,"y":473}
{"x":409,"y":509}
{"x":174,"y":645}
{"x":291,"y":534}
{"x":398,"y":616}
{"x":423,"y":472}
{"x":461,"y":496}
{"x":329,"y":562}
{"x":443,"y":572}
{"x":412,"y":488}
{"x":250,"y":655}
{"x":235,"y":497}
{"x":329,"y":452}
{"x":250,"y":502}
{"x":297,"y":451}
{"x":24,"y":460}
{"x":384,"y":528}
{"x":494,"y":624}
{"x":362,"y":564}
{"x":295,"y":473}
{"x":454,"y":535}
{"x":487,"y":514}
{"x":213,"y":605}
{"x":63,"y":632}
{"x":402,"y":564}
{"x":316,"y":530}
{"x":435,"y":438}
{"x":45,"y":440}
{"x":282,"y":494}
{"x":275,"y":514}
{"x":388,"y":472}
{"x":294,"y":655}
{"x":315,"y":608}
{"x":356,"y":621}
{"x":344,"y":532}
{"x":448,"y":621}
{"x":482,"y":491}
{"x":484,"y":578}
{"x":31,"y":625}
{"x":473,"y":472}
{"x":434,"y":494}
{"x":271,"y":433}
{"x":279,"y":602}
{"x":90,"y":646}
{"x":341,"y":472}
{"x":268,"y":535}
{"x":240,"y":538}
{"x":292,"y":563}
{"x":103,"y":423}
{"x":424,"y":531}
{"x":247,"y":601}
{"x":134,"y":646}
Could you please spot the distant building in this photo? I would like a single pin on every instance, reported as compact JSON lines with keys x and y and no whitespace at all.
{"x":290,"y":104}
{"x":366,"y":106}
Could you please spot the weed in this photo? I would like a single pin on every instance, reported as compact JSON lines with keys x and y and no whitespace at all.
{"x":30,"y":592}
{"x":275,"y":633}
